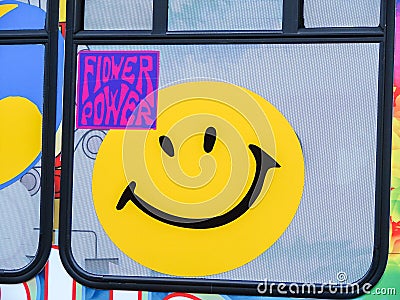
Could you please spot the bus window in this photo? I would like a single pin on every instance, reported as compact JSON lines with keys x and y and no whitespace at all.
{"x":30,"y":112}
{"x":227,"y":155}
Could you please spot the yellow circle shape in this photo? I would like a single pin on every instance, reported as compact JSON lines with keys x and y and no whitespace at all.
{"x":190,"y":183}
{"x":20,"y":136}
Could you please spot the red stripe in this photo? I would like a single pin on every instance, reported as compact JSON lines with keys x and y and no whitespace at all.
{"x":181,"y":295}
{"x":27,"y":291}
{"x":73,"y":290}
{"x":46,"y":282}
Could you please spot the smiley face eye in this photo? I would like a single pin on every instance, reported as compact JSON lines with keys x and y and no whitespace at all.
{"x":209,"y":139}
{"x":166,"y":145}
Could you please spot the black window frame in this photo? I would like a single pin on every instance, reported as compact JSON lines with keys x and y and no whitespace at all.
{"x":48,"y":37}
{"x":293,"y":32}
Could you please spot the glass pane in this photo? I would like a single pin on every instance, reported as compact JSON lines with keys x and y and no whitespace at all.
{"x":341,"y":13}
{"x":17,"y":15}
{"x":118,"y":14}
{"x":329,"y":100}
{"x":21,"y":110}
{"x":225,"y":15}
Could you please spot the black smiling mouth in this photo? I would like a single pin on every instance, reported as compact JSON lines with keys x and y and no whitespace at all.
{"x":264,"y":162}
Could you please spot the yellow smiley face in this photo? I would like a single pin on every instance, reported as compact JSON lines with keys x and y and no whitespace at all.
{"x":20,"y":137}
{"x":211,"y":188}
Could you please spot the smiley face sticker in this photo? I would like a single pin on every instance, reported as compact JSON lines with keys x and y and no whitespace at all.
{"x":211,"y":187}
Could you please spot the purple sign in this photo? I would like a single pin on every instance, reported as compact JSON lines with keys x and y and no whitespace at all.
{"x":117,"y":89}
